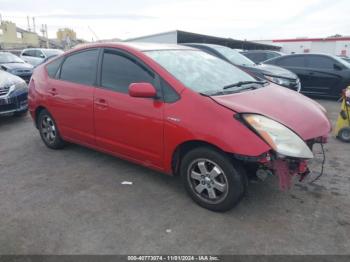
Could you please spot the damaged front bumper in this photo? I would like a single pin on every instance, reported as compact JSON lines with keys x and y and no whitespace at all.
{"x":286,"y":168}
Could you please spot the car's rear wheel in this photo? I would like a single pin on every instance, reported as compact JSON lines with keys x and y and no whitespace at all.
{"x":344,"y":134}
{"x":212,"y":179}
{"x":48,"y":131}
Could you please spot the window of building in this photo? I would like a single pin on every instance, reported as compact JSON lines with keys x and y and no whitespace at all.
{"x":19,"y":35}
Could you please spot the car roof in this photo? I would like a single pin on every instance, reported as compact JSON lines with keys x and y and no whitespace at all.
{"x":140,"y":46}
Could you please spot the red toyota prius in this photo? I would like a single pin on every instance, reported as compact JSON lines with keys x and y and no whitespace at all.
{"x":177,"y":110}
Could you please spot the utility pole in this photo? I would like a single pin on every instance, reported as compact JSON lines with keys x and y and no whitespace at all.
{"x":28,"y":24}
{"x":47,"y":37}
{"x":33,"y":24}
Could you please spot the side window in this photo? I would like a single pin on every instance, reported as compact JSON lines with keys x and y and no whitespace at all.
{"x":80,"y":67}
{"x":297,"y":61}
{"x":271,"y":55}
{"x":38,"y":54}
{"x":25,"y":53}
{"x":52,"y":67}
{"x":320,"y":62}
{"x":169,"y":94}
{"x":119,"y":71}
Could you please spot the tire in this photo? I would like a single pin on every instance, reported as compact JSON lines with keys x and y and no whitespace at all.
{"x":344,"y":134}
{"x":48,"y":131}
{"x":212,"y":179}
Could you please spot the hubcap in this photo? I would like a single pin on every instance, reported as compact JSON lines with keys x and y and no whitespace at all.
{"x":48,"y":129}
{"x":208,"y":180}
{"x":346,"y":134}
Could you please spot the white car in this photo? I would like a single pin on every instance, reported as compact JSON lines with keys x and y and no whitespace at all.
{"x":35,"y":56}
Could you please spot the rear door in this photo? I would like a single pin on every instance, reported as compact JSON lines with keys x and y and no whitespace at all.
{"x":124,"y":125}
{"x":70,"y":96}
{"x":323,"y":77}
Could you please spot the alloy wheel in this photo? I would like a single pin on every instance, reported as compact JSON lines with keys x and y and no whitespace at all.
{"x":207,"y":180}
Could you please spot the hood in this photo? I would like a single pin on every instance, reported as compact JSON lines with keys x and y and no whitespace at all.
{"x":272,"y":71}
{"x":7,"y":79}
{"x":301,"y":114}
{"x":16,"y":66}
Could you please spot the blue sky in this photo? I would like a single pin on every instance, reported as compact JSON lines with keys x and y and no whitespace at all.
{"x":244,"y":19}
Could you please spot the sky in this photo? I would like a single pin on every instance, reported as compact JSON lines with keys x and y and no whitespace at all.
{"x":238,"y":19}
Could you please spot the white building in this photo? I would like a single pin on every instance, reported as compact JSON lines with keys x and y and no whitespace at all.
{"x":178,"y":37}
{"x":329,"y":45}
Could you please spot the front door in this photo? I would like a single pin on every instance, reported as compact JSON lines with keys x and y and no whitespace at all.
{"x":124,"y":125}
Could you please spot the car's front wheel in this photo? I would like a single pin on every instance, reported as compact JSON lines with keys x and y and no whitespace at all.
{"x":48,"y":131}
{"x":212,"y":179}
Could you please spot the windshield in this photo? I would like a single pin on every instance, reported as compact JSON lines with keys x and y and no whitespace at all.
{"x":234,"y":56}
{"x":9,"y":58}
{"x":342,"y":61}
{"x":52,"y":52}
{"x":198,"y":70}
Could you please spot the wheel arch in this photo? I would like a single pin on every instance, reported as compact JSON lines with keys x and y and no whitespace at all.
{"x":185,"y":147}
{"x":36,"y":114}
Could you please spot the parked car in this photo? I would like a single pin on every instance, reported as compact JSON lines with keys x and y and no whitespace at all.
{"x":320,"y":75}
{"x":345,"y":58}
{"x":259,"y":56}
{"x":177,"y":110}
{"x":35,"y":56}
{"x":273,"y":74}
{"x":16,"y":66}
{"x":45,"y":60}
{"x":13,"y":95}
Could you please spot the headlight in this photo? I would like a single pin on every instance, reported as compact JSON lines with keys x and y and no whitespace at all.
{"x":279,"y":80}
{"x":18,"y":86}
{"x":281,"y":139}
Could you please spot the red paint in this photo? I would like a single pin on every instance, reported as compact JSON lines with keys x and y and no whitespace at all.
{"x":290,"y":108}
{"x":148,"y":131}
{"x":145,"y":90}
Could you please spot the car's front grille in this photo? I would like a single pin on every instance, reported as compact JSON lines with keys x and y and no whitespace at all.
{"x":4,"y":90}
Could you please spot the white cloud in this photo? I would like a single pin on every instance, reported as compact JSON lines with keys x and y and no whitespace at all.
{"x":241,"y":19}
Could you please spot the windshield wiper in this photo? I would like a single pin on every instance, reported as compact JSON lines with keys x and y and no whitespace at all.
{"x":241,"y":83}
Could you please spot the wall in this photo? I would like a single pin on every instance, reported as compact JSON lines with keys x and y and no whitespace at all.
{"x":12,"y":37}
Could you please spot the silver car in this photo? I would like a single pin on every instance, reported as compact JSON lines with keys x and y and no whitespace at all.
{"x":35,"y":56}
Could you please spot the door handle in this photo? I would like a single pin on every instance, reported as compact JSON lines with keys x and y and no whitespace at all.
{"x":53,"y":91}
{"x":102,"y":103}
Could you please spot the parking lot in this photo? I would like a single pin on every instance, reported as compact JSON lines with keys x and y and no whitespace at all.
{"x":72,"y":201}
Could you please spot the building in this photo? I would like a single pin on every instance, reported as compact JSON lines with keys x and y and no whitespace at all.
{"x":66,"y":34}
{"x":337,"y":45}
{"x":178,"y":37}
{"x":13,"y":37}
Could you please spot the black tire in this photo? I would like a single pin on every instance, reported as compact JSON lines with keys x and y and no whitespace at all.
{"x":344,"y":134}
{"x":227,"y":172}
{"x":46,"y":124}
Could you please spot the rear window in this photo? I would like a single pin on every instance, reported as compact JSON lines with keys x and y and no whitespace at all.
{"x":52,"y":67}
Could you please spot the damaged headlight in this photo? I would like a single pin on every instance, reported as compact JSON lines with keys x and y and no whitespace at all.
{"x":281,"y":139}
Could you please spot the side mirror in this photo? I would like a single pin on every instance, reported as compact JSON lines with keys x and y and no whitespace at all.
{"x":145,"y":90}
{"x":337,"y":67}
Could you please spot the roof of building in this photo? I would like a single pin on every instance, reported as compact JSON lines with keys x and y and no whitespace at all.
{"x":306,"y":39}
{"x":189,"y":37}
